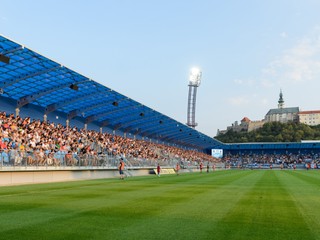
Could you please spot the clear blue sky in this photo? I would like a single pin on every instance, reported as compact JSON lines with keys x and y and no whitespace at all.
{"x":247,"y":50}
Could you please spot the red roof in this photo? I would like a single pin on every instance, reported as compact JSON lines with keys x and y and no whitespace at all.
{"x":245,"y":119}
{"x":310,"y":112}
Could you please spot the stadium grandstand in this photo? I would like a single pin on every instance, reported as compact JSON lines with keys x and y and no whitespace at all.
{"x":32,"y":82}
{"x":286,"y":155}
{"x":54,"y":116}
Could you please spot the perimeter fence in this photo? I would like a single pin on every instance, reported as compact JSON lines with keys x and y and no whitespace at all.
{"x":61,"y":159}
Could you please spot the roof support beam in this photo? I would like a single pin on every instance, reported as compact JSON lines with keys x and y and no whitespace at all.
{"x":75,"y":112}
{"x":137,"y":132}
{"x":157,"y":127}
{"x":117,"y":126}
{"x":154,"y":130}
{"x":138,"y":119}
{"x":127,"y":123}
{"x":30,"y":98}
{"x":78,"y":111}
{"x":12,"y":50}
{"x":12,"y":81}
{"x":174,"y":134}
{"x":143,"y":122}
{"x":190,"y":141}
{"x":54,"y":106}
{"x":104,"y":123}
{"x":92,"y":118}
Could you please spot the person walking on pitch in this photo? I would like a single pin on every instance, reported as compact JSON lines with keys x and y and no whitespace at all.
{"x":121,"y":168}
{"x":158,"y":170}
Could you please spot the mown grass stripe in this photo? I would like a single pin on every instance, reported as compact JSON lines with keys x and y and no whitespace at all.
{"x":264,"y":212}
{"x":304,"y":188}
{"x":309,"y":177}
{"x":124,"y":197}
{"x":196,"y":216}
{"x":221,"y":205}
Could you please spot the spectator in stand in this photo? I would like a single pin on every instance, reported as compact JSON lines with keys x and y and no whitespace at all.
{"x":47,"y":143}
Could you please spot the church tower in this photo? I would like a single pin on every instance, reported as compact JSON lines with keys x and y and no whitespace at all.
{"x":282,"y":114}
{"x":281,"y":101}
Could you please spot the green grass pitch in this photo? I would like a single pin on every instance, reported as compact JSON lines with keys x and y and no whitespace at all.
{"x":234,"y":204}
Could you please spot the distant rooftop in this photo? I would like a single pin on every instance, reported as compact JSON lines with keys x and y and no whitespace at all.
{"x":283,"y":110}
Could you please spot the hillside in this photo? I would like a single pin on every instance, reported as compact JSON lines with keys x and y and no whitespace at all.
{"x":274,"y":132}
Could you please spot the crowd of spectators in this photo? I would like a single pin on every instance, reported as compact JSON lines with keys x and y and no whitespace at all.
{"x":285,"y":159}
{"x":35,"y":142}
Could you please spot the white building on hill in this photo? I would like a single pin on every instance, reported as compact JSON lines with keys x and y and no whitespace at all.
{"x":311,"y":118}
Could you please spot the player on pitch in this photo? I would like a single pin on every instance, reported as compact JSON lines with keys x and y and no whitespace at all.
{"x":121,"y":168}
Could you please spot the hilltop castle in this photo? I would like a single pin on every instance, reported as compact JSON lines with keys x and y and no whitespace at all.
{"x":280,"y":114}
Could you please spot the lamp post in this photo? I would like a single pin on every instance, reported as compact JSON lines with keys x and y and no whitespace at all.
{"x":194,"y":82}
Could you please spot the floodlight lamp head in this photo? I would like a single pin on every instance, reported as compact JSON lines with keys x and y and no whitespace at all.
{"x":195,"y":77}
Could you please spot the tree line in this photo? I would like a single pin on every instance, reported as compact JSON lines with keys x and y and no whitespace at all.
{"x":273,"y":132}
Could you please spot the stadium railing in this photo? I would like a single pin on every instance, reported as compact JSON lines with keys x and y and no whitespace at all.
{"x":11,"y":159}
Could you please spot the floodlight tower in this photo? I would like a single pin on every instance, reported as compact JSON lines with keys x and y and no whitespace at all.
{"x":194,"y":82}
